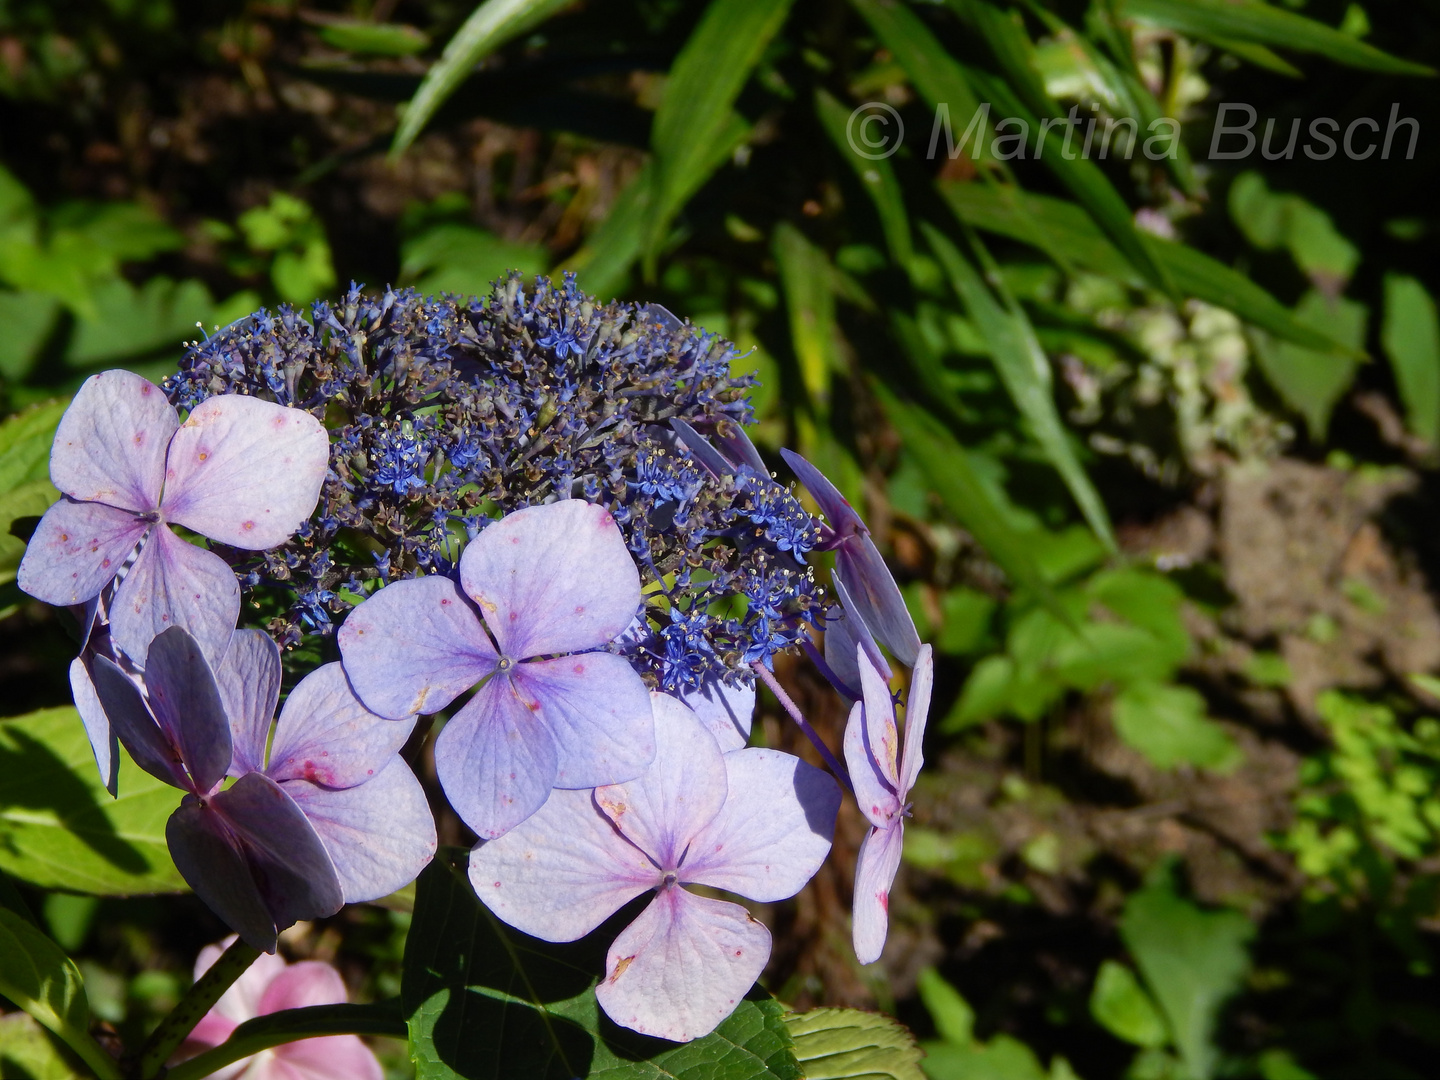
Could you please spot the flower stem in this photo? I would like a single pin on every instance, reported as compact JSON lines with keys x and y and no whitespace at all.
{"x":788,"y":704}
{"x":198,"y":1000}
{"x":292,"y":1025}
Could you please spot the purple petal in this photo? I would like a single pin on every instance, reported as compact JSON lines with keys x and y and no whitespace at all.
{"x":836,"y":508}
{"x":700,"y":449}
{"x":249,"y":682}
{"x":853,"y":631}
{"x":208,"y":857}
{"x":679,"y":794}
{"x":414,"y":647}
{"x":728,"y":712}
{"x":379,"y":834}
{"x":110,"y":445}
{"x":562,"y":872}
{"x":150,"y":747}
{"x":76,"y":550}
{"x":97,"y":724}
{"x":681,"y":968}
{"x":292,"y":869}
{"x":496,"y":764}
{"x":917,"y":712}
{"x":329,"y":1057}
{"x":736,"y":445}
{"x":875,"y":870}
{"x":873,"y":587}
{"x":325,"y":735}
{"x":552,"y":579}
{"x":598,"y":712}
{"x":881,"y":737}
{"x":773,"y":832}
{"x":173,"y":583}
{"x":873,"y":794}
{"x":185,"y":700}
{"x":245,"y":471}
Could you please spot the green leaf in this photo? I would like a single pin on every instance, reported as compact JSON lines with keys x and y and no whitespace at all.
{"x":25,"y":441}
{"x":373,"y":39}
{"x":465,"y":260}
{"x":810,"y":302}
{"x":695,"y":129}
{"x":59,"y":828}
{"x":877,"y":176}
{"x":1121,"y":1005}
{"x":1250,"y":20}
{"x":483,"y":1000}
{"x":954,"y":1018}
{"x":1169,"y":726}
{"x":29,"y":1052}
{"x":490,"y":25}
{"x":43,"y":981}
{"x":1411,"y":336}
{"x":132,"y":322}
{"x":1067,"y":227}
{"x":1025,"y":371}
{"x":1270,"y":220}
{"x":1312,"y":382}
{"x":1002,"y":1058}
{"x":601,"y":264}
{"x":29,"y":319}
{"x":1192,"y":960}
{"x":847,"y":1044}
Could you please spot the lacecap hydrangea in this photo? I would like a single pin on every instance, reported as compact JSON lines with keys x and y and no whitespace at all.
{"x":447,"y":414}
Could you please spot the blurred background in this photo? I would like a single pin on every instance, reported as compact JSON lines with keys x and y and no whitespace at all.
{"x":1149,"y":441}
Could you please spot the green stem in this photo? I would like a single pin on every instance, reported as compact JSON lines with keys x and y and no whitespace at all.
{"x":198,"y":1000}
{"x":291,"y":1025}
{"x":92,"y":1053}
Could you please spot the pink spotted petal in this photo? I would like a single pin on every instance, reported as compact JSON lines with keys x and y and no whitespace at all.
{"x":327,"y":736}
{"x":773,"y":832}
{"x":245,"y":471}
{"x":414,"y":647}
{"x":173,"y":583}
{"x":97,"y":724}
{"x":186,"y":702}
{"x":379,"y":834}
{"x":728,"y":712}
{"x":873,"y":794}
{"x":681,"y":968}
{"x":882,"y":738}
{"x":678,"y":795}
{"x":917,"y":712}
{"x":562,"y":872}
{"x":597,"y":710}
{"x":110,"y":445}
{"x":875,"y":871}
{"x":249,"y":682}
{"x":76,"y":550}
{"x":552,"y":579}
{"x":496,"y":764}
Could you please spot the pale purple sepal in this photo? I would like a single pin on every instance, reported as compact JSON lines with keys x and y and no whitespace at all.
{"x":326,"y":735}
{"x":728,"y":712}
{"x":563,"y":872}
{"x":873,"y":792}
{"x":379,"y":834}
{"x":853,"y":630}
{"x":774,"y":830}
{"x":76,"y":550}
{"x":681,"y":968}
{"x":173,"y":583}
{"x":414,"y":647}
{"x":97,"y":725}
{"x":110,"y":444}
{"x":244,"y":471}
{"x":249,"y":682}
{"x":598,"y":712}
{"x":917,"y":715}
{"x":552,"y":579}
{"x":875,"y":869}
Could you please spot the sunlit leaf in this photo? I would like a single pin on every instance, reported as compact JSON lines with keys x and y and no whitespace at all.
{"x":27,"y":1050}
{"x":29,"y":319}
{"x":1124,"y":1009}
{"x":1411,"y":336}
{"x":25,"y":441}
{"x":1169,"y":726}
{"x":810,"y":302}
{"x":847,"y":1044}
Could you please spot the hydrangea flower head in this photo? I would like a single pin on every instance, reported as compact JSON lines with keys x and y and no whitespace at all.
{"x":883,"y":772}
{"x":271,"y":985}
{"x":328,"y":814}
{"x":238,"y":470}
{"x":539,"y":591}
{"x":754,"y":822}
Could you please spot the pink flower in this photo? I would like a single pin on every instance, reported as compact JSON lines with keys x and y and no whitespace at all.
{"x":268,"y":986}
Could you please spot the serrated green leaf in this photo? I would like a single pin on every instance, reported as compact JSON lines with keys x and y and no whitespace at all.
{"x":1025,"y":371}
{"x":1411,"y":336}
{"x":1265,"y":24}
{"x":1169,"y":726}
{"x":490,"y":25}
{"x":1192,"y":960}
{"x":847,"y":1044}
{"x":1119,"y":1003}
{"x":1312,"y":382}
{"x":1068,"y":228}
{"x":695,"y":127}
{"x":27,"y":1050}
{"x":483,"y":1000}
{"x":25,"y":441}
{"x":59,"y":827}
